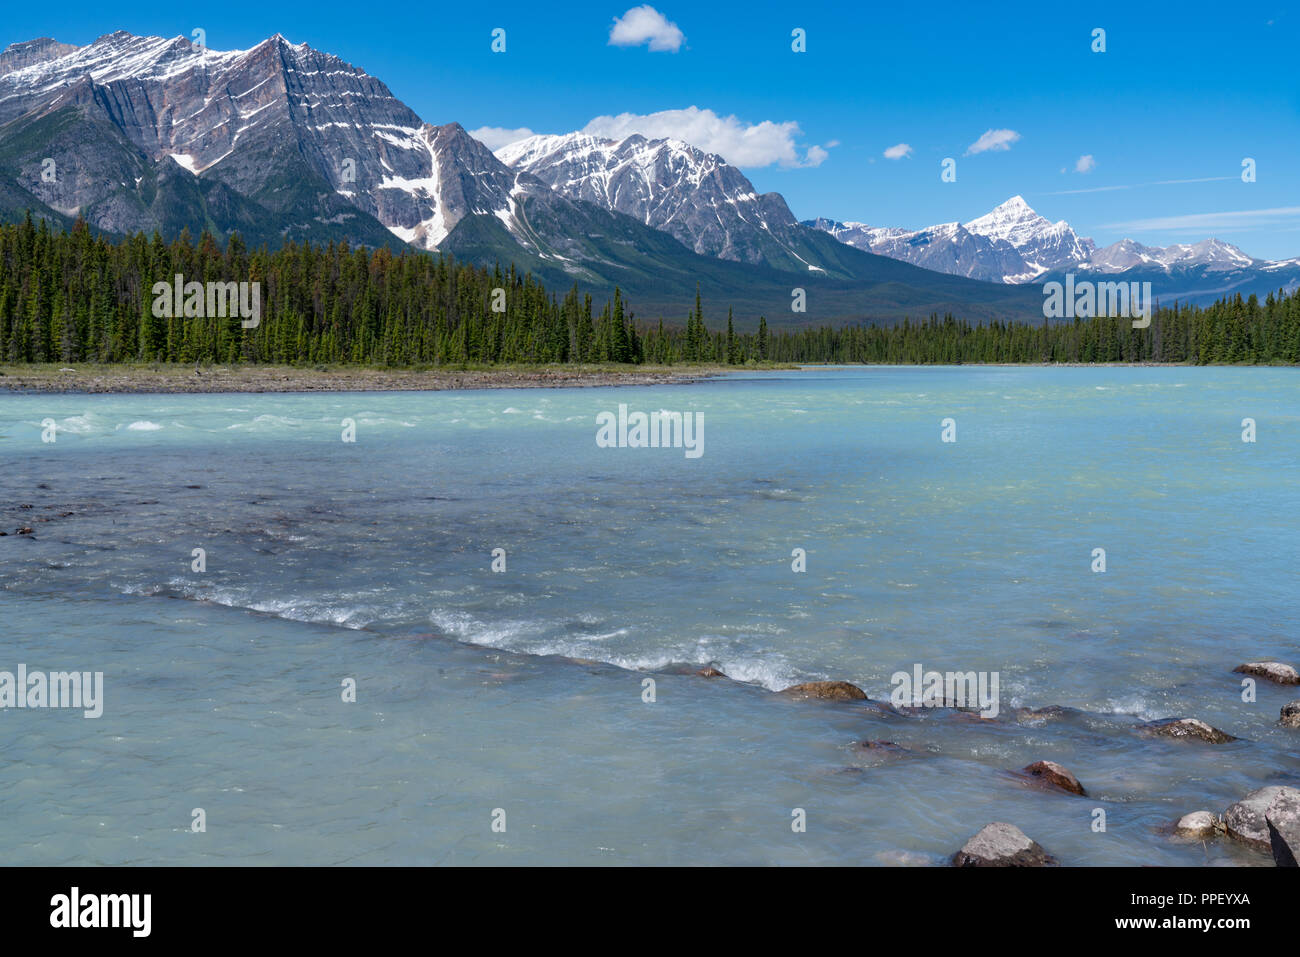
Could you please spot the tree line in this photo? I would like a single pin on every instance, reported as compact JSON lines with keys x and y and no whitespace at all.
{"x":74,"y":296}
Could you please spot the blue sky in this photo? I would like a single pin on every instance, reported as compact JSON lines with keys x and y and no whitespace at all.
{"x":1182,"y":93}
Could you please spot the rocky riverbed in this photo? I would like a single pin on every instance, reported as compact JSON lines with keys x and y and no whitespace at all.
{"x":255,"y":378}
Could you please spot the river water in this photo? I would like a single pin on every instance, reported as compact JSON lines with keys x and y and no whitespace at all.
{"x":504,"y":716}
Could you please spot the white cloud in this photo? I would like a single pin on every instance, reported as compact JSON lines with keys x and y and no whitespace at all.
{"x":898,"y":151}
{"x":495,"y":137}
{"x":1085,"y":164}
{"x":646,"y":25}
{"x":993,"y":140}
{"x":738,"y":142}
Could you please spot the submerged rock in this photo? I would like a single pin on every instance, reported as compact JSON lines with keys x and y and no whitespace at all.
{"x":1245,"y":820}
{"x":1283,"y":821}
{"x":709,"y":672}
{"x":1051,"y":773}
{"x":826,"y":691}
{"x":1198,"y":824}
{"x":1044,"y":713}
{"x":1274,"y":671}
{"x":888,"y":747}
{"x":1290,"y":714}
{"x":1002,"y":845}
{"x":1186,"y":728}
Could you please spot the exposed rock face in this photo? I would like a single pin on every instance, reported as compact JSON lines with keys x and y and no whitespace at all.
{"x":826,"y":691}
{"x":1290,"y":714}
{"x":1051,"y":773}
{"x":709,"y":672}
{"x":1193,"y":728}
{"x":1198,"y":824}
{"x":1002,"y":845}
{"x":132,"y":123}
{"x":1245,"y":820}
{"x":1283,"y":821}
{"x":1273,"y":671}
{"x":19,"y":56}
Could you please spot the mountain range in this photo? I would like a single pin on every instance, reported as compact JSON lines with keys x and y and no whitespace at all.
{"x":282,"y":142}
{"x":1013,"y":244}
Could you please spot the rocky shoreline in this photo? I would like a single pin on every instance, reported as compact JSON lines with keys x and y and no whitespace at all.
{"x":1267,"y":819}
{"x":168,"y":379}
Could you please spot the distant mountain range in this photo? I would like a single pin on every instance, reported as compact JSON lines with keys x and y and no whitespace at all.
{"x":282,"y":142}
{"x":1014,"y":245}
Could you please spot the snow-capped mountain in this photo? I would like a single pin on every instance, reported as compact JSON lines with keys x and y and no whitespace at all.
{"x":1014,"y":244}
{"x":1011,"y":244}
{"x":1126,"y":254}
{"x":1042,"y":244}
{"x":949,"y":248}
{"x":695,"y":196}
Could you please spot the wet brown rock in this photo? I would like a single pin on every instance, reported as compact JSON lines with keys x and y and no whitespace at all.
{"x":1274,"y":671}
{"x":826,"y":691}
{"x":709,"y":672}
{"x":1002,"y":845}
{"x":1193,"y":728}
{"x":1246,"y":820}
{"x":1053,"y":774}
{"x":1290,"y":714}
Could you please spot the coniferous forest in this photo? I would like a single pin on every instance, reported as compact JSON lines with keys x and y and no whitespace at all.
{"x":76,"y":297}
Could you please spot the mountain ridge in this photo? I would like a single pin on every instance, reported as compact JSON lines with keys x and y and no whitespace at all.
{"x":1015,"y":245}
{"x":283,"y":142}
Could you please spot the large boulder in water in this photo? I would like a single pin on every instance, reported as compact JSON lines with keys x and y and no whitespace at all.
{"x":1193,"y":728}
{"x":1053,"y":774}
{"x":1001,"y":845}
{"x":1283,"y":821}
{"x":1246,"y":821}
{"x":1273,"y":671}
{"x":826,"y":691}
